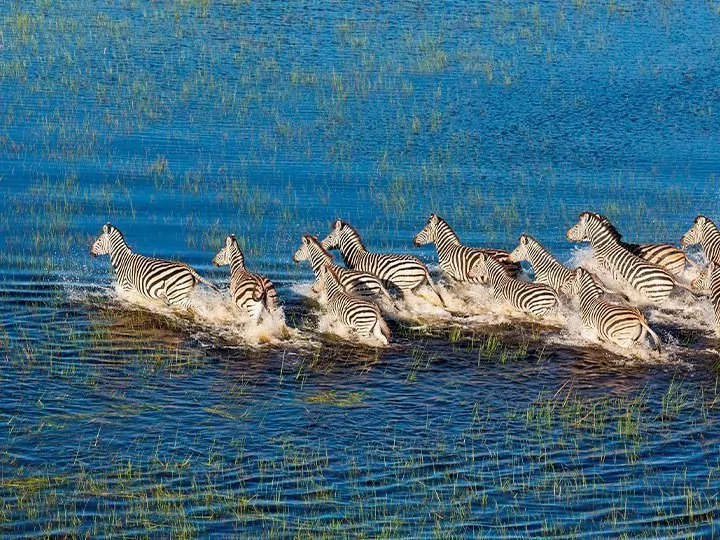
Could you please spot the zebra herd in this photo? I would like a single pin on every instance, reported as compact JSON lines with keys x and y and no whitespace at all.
{"x":351,"y":291}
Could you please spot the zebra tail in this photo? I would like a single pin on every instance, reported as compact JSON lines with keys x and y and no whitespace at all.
{"x":203,"y":280}
{"x":656,"y":339}
{"x":258,"y":292}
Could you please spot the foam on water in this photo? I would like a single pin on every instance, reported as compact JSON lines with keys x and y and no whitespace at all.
{"x":215,"y":318}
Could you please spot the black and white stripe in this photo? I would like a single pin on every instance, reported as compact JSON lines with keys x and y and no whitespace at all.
{"x":158,"y":279}
{"x":405,"y":272}
{"x":666,"y":255}
{"x":623,"y":325}
{"x":251,"y":293}
{"x":455,"y":259}
{"x":533,"y":298}
{"x":652,"y":281}
{"x":363,"y":284}
{"x":704,"y":232}
{"x":361,"y":315}
{"x":709,"y":280}
{"x":547,"y":269}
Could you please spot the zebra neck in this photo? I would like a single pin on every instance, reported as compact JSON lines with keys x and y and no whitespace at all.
{"x":119,"y":254}
{"x":710,"y":242}
{"x":318,"y":258}
{"x":237,"y":263}
{"x":603,"y":243}
{"x":333,"y":287}
{"x":496,"y":273}
{"x":352,"y":249}
{"x":445,"y":241}
{"x":589,"y":291}
{"x":537,"y":254}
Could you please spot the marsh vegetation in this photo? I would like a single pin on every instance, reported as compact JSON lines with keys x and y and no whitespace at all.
{"x":184,"y":122}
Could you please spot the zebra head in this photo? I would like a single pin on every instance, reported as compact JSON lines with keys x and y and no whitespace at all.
{"x":480,"y":269}
{"x":582,"y":280}
{"x":303,"y":252}
{"x":428,"y":234}
{"x":334,"y":239}
{"x":696,"y":233}
{"x":579,"y":231}
{"x":572,"y":286}
{"x":104,"y":244}
{"x":702,"y":282}
{"x":230,"y":251}
{"x":521,"y":253}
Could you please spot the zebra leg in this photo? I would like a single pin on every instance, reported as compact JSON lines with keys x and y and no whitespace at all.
{"x":255,"y":311}
{"x":434,"y":289}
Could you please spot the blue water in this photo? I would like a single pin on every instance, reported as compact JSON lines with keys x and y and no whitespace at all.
{"x":182,"y":123}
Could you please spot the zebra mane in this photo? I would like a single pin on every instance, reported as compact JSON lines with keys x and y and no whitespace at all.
{"x":609,"y":227}
{"x":313,"y":240}
{"x":345,"y":224}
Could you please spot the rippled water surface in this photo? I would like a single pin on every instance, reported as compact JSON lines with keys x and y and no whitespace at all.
{"x":182,"y":122}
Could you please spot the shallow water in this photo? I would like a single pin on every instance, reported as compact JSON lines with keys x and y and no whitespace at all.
{"x":182,"y":123}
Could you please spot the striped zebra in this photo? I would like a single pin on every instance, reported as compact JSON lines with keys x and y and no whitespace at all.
{"x":353,"y":281}
{"x":456,"y":260}
{"x":704,"y":232}
{"x":654,"y":282}
{"x":666,"y":255}
{"x":405,"y":272}
{"x":548,"y":269}
{"x":533,"y":298}
{"x":158,"y":279}
{"x":252,"y":293}
{"x":361,"y":315}
{"x":623,"y":325}
{"x":709,"y":280}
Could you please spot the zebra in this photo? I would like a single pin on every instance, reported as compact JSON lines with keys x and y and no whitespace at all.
{"x":548,"y":270}
{"x":653,"y":281}
{"x":709,"y":280}
{"x":405,"y":272}
{"x":666,"y":255}
{"x":456,"y":260}
{"x":361,"y":315}
{"x":157,"y":279}
{"x":704,"y":232}
{"x":353,"y":281}
{"x":533,"y":298}
{"x":252,"y":293}
{"x":623,"y":325}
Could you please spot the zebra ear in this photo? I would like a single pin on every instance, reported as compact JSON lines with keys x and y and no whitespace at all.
{"x":523,"y":239}
{"x":338,"y":224}
{"x":700,"y":219}
{"x":229,"y":240}
{"x":107,"y":228}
